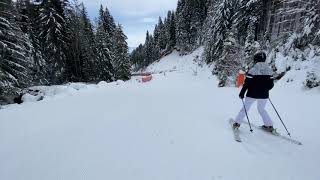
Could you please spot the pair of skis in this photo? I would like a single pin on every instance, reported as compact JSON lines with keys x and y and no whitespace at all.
{"x":236,"y":134}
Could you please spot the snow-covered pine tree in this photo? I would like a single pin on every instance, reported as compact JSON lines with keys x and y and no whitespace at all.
{"x":311,"y":30}
{"x":158,"y":37}
{"x":87,"y":45}
{"x":166,"y":35}
{"x":28,"y":16}
{"x":108,"y":21}
{"x":23,"y":15}
{"x":230,"y":61}
{"x":182,"y":27}
{"x":171,"y":30}
{"x":199,"y":9}
{"x":248,"y":20}
{"x":109,"y":27}
{"x":190,"y":16}
{"x":148,"y":50}
{"x":156,"y":51}
{"x":53,"y":37}
{"x":122,"y":64}
{"x":80,"y":45}
{"x":162,"y":41}
{"x":105,"y":56}
{"x":224,"y":20}
{"x":14,"y":51}
{"x":156,"y":34}
{"x":104,"y":67}
{"x":208,"y":30}
{"x":74,"y":61}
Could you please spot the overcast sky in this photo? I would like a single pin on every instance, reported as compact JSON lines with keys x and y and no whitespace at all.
{"x":136,"y":16}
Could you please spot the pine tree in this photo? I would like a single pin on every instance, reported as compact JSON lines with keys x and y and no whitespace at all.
{"x":156,"y":34}
{"x":109,"y":26}
{"x":87,"y":45}
{"x":159,"y":41}
{"x":122,"y":64}
{"x":163,"y":40}
{"x":53,"y":37}
{"x":80,"y":46}
{"x":108,"y":21}
{"x":162,"y":35}
{"x":104,"y":67}
{"x":74,"y":60}
{"x":190,"y":16}
{"x":104,"y":49}
{"x":148,"y":49}
{"x":182,"y":26}
{"x":248,"y":21}
{"x":199,"y":14}
{"x":230,"y":61}
{"x":224,"y":19}
{"x":311,"y":31}
{"x":171,"y":30}
{"x":14,"y":51}
{"x":23,"y":19}
{"x":28,"y":17}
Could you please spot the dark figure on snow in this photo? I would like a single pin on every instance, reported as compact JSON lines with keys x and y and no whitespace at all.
{"x":258,"y":83}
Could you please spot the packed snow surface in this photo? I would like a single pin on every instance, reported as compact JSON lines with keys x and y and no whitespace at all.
{"x":172,"y":128}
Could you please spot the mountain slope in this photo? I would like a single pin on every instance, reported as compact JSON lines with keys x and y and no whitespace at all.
{"x":174,"y":127}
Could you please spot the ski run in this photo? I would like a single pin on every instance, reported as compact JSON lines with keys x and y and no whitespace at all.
{"x":175,"y":127}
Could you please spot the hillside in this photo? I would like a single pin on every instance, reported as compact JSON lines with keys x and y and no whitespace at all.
{"x":174,"y":127}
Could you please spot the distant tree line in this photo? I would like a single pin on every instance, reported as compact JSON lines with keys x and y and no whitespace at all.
{"x":46,"y":42}
{"x":231,"y":31}
{"x":161,"y":42}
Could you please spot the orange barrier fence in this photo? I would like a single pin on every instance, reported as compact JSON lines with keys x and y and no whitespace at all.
{"x":147,"y":78}
{"x":240,"y":79}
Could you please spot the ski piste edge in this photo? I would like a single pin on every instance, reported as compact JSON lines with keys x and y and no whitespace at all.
{"x":293,"y":141}
{"x":236,"y":133}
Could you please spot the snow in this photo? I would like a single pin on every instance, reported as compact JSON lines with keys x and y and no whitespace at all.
{"x":174,"y":127}
{"x":297,"y":64}
{"x":52,"y":92}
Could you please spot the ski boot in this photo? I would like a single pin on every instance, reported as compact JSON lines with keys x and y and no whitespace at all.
{"x":269,"y":129}
{"x":236,"y":126}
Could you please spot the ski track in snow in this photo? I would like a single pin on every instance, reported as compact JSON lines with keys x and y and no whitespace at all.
{"x":172,"y":128}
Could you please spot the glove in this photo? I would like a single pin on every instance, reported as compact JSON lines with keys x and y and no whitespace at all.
{"x":241,"y":95}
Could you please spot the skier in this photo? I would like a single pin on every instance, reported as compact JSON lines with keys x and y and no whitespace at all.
{"x":258,"y":83}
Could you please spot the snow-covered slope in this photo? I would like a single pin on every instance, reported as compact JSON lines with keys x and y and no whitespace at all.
{"x":190,"y":64}
{"x":172,"y":128}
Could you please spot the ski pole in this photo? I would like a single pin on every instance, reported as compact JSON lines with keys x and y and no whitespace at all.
{"x":245,"y":109}
{"x":280,"y":118}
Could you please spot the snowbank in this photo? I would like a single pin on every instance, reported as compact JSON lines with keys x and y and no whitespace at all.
{"x":38,"y":93}
{"x":300,"y":68}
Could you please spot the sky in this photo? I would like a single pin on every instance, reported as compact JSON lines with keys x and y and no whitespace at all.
{"x":136,"y":16}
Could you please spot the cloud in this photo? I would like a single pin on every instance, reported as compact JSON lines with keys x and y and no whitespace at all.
{"x":134,"y":7}
{"x":136,"y":38}
{"x":148,"y":20}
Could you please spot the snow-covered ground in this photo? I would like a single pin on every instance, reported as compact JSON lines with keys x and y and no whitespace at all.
{"x":172,"y":128}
